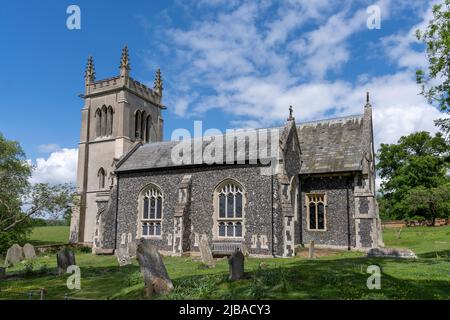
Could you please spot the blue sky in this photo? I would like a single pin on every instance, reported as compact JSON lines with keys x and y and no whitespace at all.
{"x":227,"y":63}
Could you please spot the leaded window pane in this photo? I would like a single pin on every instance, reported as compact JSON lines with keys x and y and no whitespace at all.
{"x":238,"y":229}
{"x":144,"y":229}
{"x":222,"y":229}
{"x":159,"y":208}
{"x":145,"y":208}
{"x":222,"y":206}
{"x":230,"y":229}
{"x":312,"y":216}
{"x":152,"y":208}
{"x":230,"y":205}
{"x":151,"y":230}
{"x":238,"y":205}
{"x":320,"y":216}
{"x":158,"y":229}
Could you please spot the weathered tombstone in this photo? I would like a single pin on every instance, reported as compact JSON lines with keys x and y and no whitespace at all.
{"x":391,"y":253}
{"x":29,"y":252}
{"x":2,"y":273}
{"x":236,"y":262}
{"x":123,"y":256}
{"x":206,"y":253}
{"x":245,"y":251}
{"x":153,"y":269}
{"x":13,"y":255}
{"x":132,"y":247}
{"x":64,"y":259}
{"x":311,"y":250}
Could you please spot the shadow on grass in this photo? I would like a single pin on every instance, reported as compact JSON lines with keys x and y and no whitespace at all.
{"x":445,"y":254}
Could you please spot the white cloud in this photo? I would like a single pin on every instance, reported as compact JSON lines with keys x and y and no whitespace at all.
{"x":59,"y":167}
{"x":49,"y":147}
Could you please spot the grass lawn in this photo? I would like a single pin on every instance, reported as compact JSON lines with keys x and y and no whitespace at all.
{"x":339,"y":276}
{"x":49,"y":235}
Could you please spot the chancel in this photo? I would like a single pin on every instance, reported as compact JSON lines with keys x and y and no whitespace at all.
{"x":322,"y":189}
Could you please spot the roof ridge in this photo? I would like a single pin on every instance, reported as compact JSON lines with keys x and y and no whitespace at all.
{"x":331,"y":119}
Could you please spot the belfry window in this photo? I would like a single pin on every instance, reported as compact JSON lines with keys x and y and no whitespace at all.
{"x":104,"y":121}
{"x":101,"y":178}
{"x":152,"y":212}
{"x":316,"y":211}
{"x":230,"y":209}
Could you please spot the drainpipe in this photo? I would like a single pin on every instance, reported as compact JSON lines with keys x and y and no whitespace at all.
{"x":117,"y":213}
{"x":349,"y":242}
{"x":273,"y":242}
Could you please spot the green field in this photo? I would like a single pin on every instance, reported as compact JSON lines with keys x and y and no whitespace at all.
{"x":49,"y":235}
{"x":338,"y":276}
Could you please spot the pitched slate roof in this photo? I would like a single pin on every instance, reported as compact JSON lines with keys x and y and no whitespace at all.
{"x":332,"y":145}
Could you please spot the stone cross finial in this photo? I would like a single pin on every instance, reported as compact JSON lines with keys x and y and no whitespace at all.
{"x":291,"y":112}
{"x":158,"y":84}
{"x":89,"y":74}
{"x":125,"y":62}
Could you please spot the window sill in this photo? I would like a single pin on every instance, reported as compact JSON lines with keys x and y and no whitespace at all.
{"x":152,"y":237}
{"x":317,"y":230}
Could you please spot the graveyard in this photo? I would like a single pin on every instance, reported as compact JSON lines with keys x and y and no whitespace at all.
{"x":331,"y":274}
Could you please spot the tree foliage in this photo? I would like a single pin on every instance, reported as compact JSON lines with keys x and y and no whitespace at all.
{"x":418,"y":160}
{"x":435,"y":82}
{"x":21,"y":201}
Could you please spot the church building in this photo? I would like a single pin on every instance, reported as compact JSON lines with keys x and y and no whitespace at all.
{"x":317,"y":183}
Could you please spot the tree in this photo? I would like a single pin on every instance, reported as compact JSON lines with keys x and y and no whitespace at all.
{"x":435,"y":83}
{"x":430,"y":203}
{"x":19,"y":200}
{"x":417,"y":160}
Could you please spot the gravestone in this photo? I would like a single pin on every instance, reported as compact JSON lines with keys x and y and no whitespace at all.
{"x":245,"y":251}
{"x":13,"y":255}
{"x":391,"y":253}
{"x":2,"y":273}
{"x":64,"y":259}
{"x":123,"y":256}
{"x":29,"y":252}
{"x":132,"y":247}
{"x":153,"y":269}
{"x":311,"y":250}
{"x":236,"y":262}
{"x":206,"y":253}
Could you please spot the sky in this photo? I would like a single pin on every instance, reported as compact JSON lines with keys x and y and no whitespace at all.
{"x":230,"y":64}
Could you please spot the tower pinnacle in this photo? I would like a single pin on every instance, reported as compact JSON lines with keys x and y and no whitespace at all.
{"x":125,"y":63}
{"x":291,"y":112}
{"x":368,"y":100}
{"x":89,"y":74}
{"x":158,"y":84}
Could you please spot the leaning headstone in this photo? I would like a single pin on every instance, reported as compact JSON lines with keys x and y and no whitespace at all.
{"x":2,"y":273}
{"x":153,"y":269}
{"x":245,"y":251}
{"x":13,"y":255}
{"x":311,"y":250}
{"x":123,"y":257}
{"x":391,"y":253}
{"x":29,"y":252}
{"x":206,"y":253}
{"x":64,"y":259}
{"x":132,"y":247}
{"x":236,"y":262}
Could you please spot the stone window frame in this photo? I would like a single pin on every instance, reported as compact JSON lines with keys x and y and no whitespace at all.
{"x":217,"y":191}
{"x":155,"y":191}
{"x":324,"y":201}
{"x":104,"y":121}
{"x":101,"y":174}
{"x":143,"y":124}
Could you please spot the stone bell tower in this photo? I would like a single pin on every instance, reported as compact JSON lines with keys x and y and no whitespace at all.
{"x":118,"y":113}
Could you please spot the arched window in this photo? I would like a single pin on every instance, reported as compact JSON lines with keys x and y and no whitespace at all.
{"x":148,"y":125}
{"x":137,"y":124}
{"x":98,"y":123}
{"x":101,"y":178}
{"x":151,"y":200}
{"x":143,"y":117}
{"x":230,"y":199}
{"x":103,"y":122}
{"x":109,"y":124}
{"x":316,"y":204}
